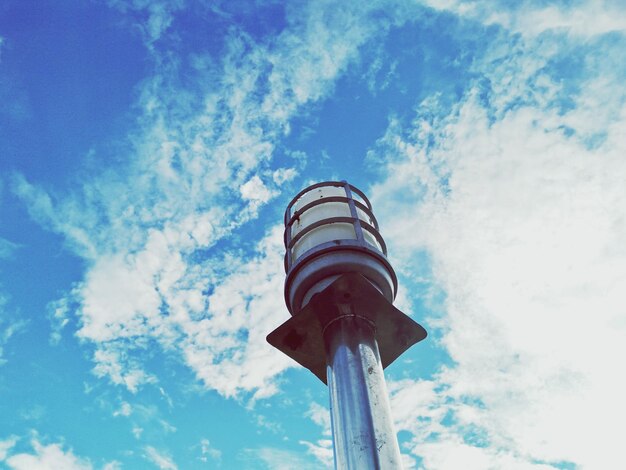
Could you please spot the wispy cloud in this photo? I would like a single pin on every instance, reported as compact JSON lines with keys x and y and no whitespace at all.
{"x":243,"y":308}
{"x":114,"y":465}
{"x":519,"y":202}
{"x":584,"y":18}
{"x":278,"y":459}
{"x":7,"y":248}
{"x":160,"y":459}
{"x":197,"y":168}
{"x":112,"y":362}
{"x":209,"y":453}
{"x":9,"y":325}
{"x":152,"y":19}
{"x":145,"y":422}
{"x":47,"y":457}
{"x":125,"y":409}
{"x":6,"y":445}
{"x":322,"y":449}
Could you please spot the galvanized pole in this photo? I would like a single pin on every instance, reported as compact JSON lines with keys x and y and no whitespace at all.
{"x":363,"y":433}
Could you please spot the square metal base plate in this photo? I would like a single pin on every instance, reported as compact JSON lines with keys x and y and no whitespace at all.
{"x":301,"y":337}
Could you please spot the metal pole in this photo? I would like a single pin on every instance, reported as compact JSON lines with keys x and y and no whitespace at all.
{"x":363,"y":433}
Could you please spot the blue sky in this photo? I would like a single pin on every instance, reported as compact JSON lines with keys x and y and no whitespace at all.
{"x":148,"y":150}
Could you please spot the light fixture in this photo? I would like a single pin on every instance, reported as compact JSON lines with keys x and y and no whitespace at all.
{"x":344,"y":328}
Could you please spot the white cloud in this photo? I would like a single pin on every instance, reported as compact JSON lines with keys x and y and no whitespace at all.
{"x":524,"y":224}
{"x":154,"y":17}
{"x":160,"y":459}
{"x":198,"y":167}
{"x":320,"y":415}
{"x":125,"y":410}
{"x":114,"y":465}
{"x":9,"y":326}
{"x":584,"y":18}
{"x":6,"y":445}
{"x":322,"y":449}
{"x":59,"y":316}
{"x":244,"y":306}
{"x":147,"y":418}
{"x":269,"y":425}
{"x":112,"y":362}
{"x":207,"y":451}
{"x":279,"y":459}
{"x":7,"y":248}
{"x":47,"y":457}
{"x":255,"y":191}
{"x":283,"y":175}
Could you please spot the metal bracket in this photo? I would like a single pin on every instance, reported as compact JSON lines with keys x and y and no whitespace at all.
{"x":302,"y":336}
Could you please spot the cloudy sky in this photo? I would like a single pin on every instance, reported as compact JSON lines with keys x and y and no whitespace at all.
{"x":148,"y":149}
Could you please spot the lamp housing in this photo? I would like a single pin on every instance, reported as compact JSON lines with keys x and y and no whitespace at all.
{"x":330,"y":230}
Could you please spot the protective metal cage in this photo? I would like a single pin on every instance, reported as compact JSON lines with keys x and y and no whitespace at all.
{"x":375,"y":265}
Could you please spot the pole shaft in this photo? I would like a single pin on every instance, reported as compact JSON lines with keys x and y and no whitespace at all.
{"x":363,"y":433}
